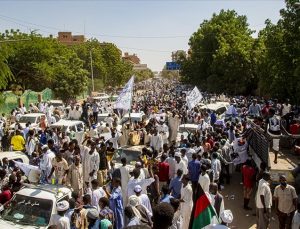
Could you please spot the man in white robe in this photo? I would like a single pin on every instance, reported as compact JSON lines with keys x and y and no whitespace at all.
{"x":186,"y":201}
{"x":90,"y":163}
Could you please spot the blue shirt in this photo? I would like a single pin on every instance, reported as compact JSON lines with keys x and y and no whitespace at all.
{"x":194,"y":170}
{"x":166,"y":199}
{"x":175,"y":186}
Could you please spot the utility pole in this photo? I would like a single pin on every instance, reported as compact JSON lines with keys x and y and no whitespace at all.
{"x":92,"y":72}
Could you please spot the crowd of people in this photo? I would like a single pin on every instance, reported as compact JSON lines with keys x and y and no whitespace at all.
{"x":159,"y":189}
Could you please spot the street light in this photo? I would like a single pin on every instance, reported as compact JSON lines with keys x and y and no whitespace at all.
{"x":92,"y":72}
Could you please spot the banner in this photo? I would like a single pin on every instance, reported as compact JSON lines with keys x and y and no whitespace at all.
{"x":125,"y":97}
{"x":193,"y":98}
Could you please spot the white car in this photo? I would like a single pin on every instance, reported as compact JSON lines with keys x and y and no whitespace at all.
{"x":131,"y":153}
{"x":68,"y":125}
{"x":133,"y":117}
{"x":33,"y":206}
{"x":14,"y":156}
{"x":184,"y":130}
{"x":33,"y":118}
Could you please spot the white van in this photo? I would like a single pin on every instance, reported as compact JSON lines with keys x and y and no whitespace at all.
{"x":33,"y":206}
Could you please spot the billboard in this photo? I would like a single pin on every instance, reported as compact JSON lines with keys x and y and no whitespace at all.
{"x":172,"y":66}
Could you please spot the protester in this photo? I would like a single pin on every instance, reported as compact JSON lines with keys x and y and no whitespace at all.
{"x":285,"y":202}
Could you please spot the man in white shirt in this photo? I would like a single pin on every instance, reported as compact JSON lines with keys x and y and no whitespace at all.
{"x":204,"y":180}
{"x":216,"y":167}
{"x":263,"y":202}
{"x":172,"y":164}
{"x":109,"y":120}
{"x":46,"y":163}
{"x":59,"y":219}
{"x":143,"y":197}
{"x":96,"y":193}
{"x":144,"y":183}
{"x":156,"y":141}
{"x":180,"y":163}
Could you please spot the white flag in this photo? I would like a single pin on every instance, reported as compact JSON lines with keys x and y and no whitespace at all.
{"x":125,"y":97}
{"x":193,"y":98}
{"x":26,"y":168}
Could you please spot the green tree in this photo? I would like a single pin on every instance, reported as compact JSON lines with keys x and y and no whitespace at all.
{"x":220,"y":55}
{"x":144,"y":74}
{"x":279,"y":74}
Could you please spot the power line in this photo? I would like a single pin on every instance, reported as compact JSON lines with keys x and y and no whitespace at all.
{"x":17,"y":21}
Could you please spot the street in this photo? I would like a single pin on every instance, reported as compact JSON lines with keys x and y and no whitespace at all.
{"x":242,"y":219}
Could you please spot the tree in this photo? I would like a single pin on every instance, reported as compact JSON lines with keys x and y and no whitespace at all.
{"x":279,"y":74}
{"x":144,"y":74}
{"x":221,"y":59}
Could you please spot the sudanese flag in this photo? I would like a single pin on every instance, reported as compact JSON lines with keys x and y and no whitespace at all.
{"x":203,"y":211}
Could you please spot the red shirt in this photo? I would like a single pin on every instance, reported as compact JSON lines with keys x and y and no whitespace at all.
{"x":163,"y":172}
{"x":248,"y":175}
{"x":211,"y":142}
{"x":294,"y":128}
{"x":5,"y":196}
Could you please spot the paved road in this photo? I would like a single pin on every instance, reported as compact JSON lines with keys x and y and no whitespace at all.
{"x":242,"y":219}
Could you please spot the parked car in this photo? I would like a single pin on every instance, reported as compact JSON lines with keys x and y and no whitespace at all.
{"x":33,"y":206}
{"x":33,"y":118}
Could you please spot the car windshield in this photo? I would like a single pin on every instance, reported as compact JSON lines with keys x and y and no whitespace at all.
{"x":28,"y":211}
{"x":185,"y":129}
{"x":62,"y":128}
{"x":130,"y":155}
{"x":133,"y":119}
{"x":26,"y":119}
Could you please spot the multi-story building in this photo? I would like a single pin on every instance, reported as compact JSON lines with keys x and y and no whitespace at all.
{"x":131,"y":58}
{"x":68,"y":39}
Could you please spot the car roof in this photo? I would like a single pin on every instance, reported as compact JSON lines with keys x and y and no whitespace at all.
{"x":12,"y":154}
{"x":33,"y":115}
{"x":55,"y":101}
{"x":64,"y":122}
{"x":45,"y":191}
{"x":134,"y":148}
{"x":189,"y":126}
{"x":134,"y":115}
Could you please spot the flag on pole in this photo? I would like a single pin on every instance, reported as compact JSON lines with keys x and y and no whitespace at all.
{"x":193,"y":98}
{"x":202,"y":212}
{"x":125,"y":97}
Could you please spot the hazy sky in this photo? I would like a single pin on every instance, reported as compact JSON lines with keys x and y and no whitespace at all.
{"x":151,"y":29}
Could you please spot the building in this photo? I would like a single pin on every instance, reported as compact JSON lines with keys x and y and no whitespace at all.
{"x":131,"y":58}
{"x":140,"y":67}
{"x":176,"y":55}
{"x":68,"y":39}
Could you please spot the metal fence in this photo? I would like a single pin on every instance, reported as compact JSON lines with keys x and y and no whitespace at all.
{"x":10,"y":101}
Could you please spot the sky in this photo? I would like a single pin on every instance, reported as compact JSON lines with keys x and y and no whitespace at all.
{"x":152,"y":29}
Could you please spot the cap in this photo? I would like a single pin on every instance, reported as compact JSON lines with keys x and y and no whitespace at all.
{"x":137,"y":188}
{"x":92,"y":213}
{"x":62,"y":206}
{"x":44,"y":147}
{"x":226,"y":216}
{"x":177,"y":154}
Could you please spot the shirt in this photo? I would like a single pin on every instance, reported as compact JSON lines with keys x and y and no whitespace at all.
{"x":264,"y":190}
{"x":296,"y":220}
{"x":285,"y":198}
{"x":181,"y":165}
{"x":194,"y":170}
{"x":144,"y":183}
{"x":18,"y":142}
{"x":204,"y":181}
{"x":62,"y":222}
{"x":248,"y":176}
{"x":175,"y":187}
{"x":163,"y":173}
{"x":60,"y":167}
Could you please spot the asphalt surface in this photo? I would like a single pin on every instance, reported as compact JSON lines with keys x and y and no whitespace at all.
{"x":233,"y":200}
